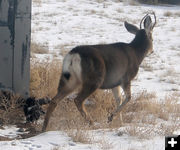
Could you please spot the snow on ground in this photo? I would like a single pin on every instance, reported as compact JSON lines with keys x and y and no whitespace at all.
{"x":61,"y":25}
{"x":10,"y":131}
{"x":102,"y":140}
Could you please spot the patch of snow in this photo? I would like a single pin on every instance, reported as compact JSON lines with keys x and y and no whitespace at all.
{"x":45,"y":141}
{"x":10,"y":131}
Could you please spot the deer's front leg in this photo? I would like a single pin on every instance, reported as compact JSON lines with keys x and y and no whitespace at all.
{"x":127,"y":91}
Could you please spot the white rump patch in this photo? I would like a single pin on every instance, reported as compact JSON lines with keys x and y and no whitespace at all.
{"x":72,"y":65}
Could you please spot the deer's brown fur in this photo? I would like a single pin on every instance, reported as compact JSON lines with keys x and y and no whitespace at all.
{"x":109,"y":66}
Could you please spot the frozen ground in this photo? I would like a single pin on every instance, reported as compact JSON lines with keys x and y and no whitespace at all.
{"x":102,"y":139}
{"x":62,"y":24}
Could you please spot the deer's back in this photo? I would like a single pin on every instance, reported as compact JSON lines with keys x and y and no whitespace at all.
{"x":117,"y":62}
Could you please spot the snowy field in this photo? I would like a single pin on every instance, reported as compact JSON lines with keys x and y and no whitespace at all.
{"x":60,"y":25}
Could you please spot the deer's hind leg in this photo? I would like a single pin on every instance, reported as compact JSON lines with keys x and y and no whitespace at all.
{"x":67,"y":85}
{"x":87,"y":89}
{"x":92,"y":78}
{"x":79,"y":101}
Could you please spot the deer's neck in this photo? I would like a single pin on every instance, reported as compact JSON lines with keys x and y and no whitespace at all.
{"x":141,"y":45}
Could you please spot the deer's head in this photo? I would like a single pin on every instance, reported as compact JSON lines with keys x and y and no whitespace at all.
{"x":143,"y":33}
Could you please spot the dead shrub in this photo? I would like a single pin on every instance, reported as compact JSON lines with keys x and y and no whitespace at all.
{"x":103,"y":103}
{"x":146,"y":104}
{"x":171,"y":104}
{"x":44,"y":78}
{"x":11,"y":108}
{"x":43,"y":82}
{"x":144,"y":111}
{"x":140,"y":102}
{"x":80,"y":135}
{"x":146,"y":131}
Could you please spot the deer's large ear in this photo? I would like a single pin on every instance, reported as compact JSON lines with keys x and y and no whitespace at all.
{"x":148,"y":24}
{"x":131,"y":28}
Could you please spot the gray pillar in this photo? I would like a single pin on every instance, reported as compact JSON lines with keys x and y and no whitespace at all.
{"x":15,"y":29}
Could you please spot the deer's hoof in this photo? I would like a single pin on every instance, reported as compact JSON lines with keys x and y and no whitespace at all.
{"x":110,"y":118}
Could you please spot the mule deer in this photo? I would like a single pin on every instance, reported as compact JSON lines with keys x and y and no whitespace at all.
{"x":108,"y":66}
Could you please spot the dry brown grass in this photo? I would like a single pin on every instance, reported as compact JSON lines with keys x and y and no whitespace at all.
{"x":102,"y":103}
{"x":4,"y":138}
{"x":149,"y":117}
{"x":147,"y":104}
{"x":43,"y":83}
{"x":44,"y":78}
{"x":143,"y":109}
{"x":80,"y":136}
{"x":38,"y":49}
{"x":11,"y":111}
